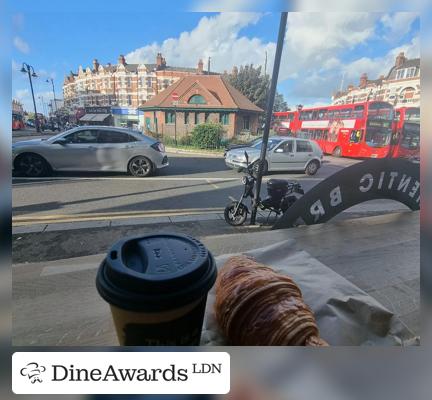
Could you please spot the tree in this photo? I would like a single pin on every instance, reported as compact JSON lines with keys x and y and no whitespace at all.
{"x":280,"y":103}
{"x":254,"y":85}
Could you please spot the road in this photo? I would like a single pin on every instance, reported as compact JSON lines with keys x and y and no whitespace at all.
{"x":189,"y":183}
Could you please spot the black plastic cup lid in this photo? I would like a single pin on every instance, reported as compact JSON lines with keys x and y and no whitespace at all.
{"x":156,"y":272}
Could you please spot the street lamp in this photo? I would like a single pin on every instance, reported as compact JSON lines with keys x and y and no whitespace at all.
{"x":26,"y":68}
{"x":52,"y":83}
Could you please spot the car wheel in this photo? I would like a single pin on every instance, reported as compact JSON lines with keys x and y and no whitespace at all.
{"x":337,"y":152}
{"x":312,"y":168}
{"x":256,"y":165}
{"x":32,"y":165}
{"x":141,"y":167}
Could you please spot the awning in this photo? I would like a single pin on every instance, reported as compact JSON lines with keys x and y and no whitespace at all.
{"x":100,"y":117}
{"x":94,"y":117}
{"x":87,"y":117}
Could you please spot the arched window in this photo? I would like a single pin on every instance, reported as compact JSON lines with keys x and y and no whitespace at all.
{"x":197,"y":99}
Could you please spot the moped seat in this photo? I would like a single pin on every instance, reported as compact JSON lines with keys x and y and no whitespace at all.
{"x":277,"y":183}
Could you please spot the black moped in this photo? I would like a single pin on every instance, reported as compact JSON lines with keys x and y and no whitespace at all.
{"x":281,"y":195}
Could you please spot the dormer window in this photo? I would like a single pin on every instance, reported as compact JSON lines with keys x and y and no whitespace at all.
{"x":197,"y":99}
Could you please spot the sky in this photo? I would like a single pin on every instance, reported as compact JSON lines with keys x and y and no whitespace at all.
{"x":322,"y":51}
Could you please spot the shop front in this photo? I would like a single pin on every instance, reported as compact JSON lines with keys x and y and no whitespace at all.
{"x":96,"y":116}
{"x":126,"y":117}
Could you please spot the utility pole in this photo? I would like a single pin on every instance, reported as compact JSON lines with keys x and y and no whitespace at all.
{"x":208,"y":65}
{"x":265,"y":64}
{"x":270,"y":102}
{"x":342,"y":82}
{"x":26,"y":68}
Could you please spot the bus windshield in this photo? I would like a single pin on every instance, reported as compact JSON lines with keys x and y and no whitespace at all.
{"x":411,"y":136}
{"x":412,"y":114}
{"x":378,"y":133}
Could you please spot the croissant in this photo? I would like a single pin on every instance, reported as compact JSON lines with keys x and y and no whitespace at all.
{"x":255,"y":306}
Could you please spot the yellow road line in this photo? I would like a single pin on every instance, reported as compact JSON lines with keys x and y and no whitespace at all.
{"x":50,"y":219}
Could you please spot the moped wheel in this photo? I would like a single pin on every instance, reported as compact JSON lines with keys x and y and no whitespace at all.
{"x":239,"y":218}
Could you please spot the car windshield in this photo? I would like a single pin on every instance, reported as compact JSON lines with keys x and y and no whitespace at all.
{"x":270,"y":145}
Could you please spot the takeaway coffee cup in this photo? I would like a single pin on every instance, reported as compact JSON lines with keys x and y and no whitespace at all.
{"x":157,"y":287}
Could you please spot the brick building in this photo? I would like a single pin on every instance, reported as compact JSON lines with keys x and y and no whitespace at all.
{"x":401,"y":86}
{"x":123,"y":86}
{"x":201,"y":98}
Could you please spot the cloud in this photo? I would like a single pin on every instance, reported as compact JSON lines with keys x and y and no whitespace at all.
{"x":377,"y":66}
{"x":21,"y":45}
{"x":22,"y":94}
{"x":398,"y":24}
{"x":314,"y":40}
{"x":217,"y":37}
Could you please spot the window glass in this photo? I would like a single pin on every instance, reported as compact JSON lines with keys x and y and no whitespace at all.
{"x":84,"y":136}
{"x":322,"y":114}
{"x":197,"y":99}
{"x":114,"y":137}
{"x":411,"y":136}
{"x":196,"y":118}
{"x":303,"y":146}
{"x":224,"y":118}
{"x":186,"y":118}
{"x":355,"y":136}
{"x":400,"y":74}
{"x":246,"y":122}
{"x":169,"y":117}
{"x":287,"y":146}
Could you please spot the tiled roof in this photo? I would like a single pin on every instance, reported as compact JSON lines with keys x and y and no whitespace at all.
{"x":214,"y":88}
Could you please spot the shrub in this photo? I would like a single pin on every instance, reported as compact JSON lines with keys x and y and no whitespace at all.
{"x":207,"y":135}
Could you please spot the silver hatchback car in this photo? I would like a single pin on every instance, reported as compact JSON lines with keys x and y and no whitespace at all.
{"x":90,"y":148}
{"x":283,"y":154}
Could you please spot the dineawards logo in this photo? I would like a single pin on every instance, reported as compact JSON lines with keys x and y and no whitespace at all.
{"x":33,"y":371}
{"x":120,"y":372}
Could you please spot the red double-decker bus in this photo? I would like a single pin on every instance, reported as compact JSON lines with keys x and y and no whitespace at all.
{"x":285,"y":122}
{"x":362,"y":130}
{"x":17,"y":121}
{"x":405,"y":141}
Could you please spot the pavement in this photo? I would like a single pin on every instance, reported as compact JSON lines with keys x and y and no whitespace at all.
{"x":55,"y":303}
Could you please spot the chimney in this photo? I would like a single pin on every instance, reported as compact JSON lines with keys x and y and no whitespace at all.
{"x":400,"y":59}
{"x":159,"y":60}
{"x":350,"y":87}
{"x":235,"y":70}
{"x":363,"y":80}
{"x":163,"y":62}
{"x":121,"y":59}
{"x":95,"y":64}
{"x":200,"y":66}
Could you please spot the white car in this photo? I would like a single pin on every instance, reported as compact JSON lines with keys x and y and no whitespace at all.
{"x":283,"y":154}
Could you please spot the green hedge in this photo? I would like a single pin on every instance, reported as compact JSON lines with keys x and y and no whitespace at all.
{"x":207,"y":136}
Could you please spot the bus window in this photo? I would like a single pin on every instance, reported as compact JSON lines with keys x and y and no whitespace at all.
{"x":315,"y":115}
{"x":380,"y":110}
{"x":345,"y":113}
{"x":322,"y":114}
{"x":336,"y":114}
{"x":358,"y":111}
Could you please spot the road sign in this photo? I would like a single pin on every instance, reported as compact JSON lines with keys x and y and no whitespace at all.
{"x":175,"y":96}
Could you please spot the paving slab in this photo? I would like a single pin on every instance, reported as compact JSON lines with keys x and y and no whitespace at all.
{"x":82,"y":319}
